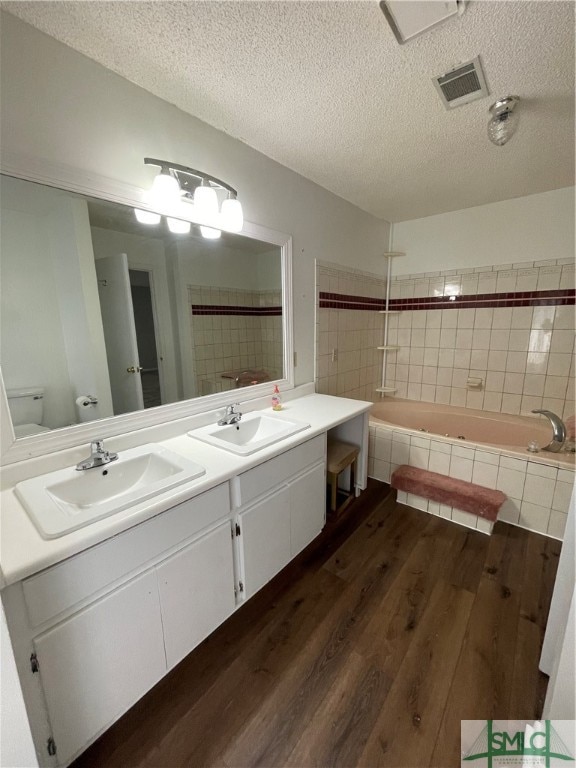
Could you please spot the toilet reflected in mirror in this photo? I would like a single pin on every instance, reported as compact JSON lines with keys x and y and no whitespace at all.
{"x":26,"y":406}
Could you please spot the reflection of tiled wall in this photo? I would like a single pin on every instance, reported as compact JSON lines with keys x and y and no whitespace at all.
{"x":347,"y":361}
{"x":234,"y":330}
{"x":511,"y":326}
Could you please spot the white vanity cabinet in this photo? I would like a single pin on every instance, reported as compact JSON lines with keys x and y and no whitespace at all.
{"x":281,"y":509}
{"x":101,"y":660}
{"x":196,"y":591}
{"x":94,"y":633}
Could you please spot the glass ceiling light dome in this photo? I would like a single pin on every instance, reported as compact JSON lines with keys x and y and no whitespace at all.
{"x":504,"y":121}
{"x":186,"y":195}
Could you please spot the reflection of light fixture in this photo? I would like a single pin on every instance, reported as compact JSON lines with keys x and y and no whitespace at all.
{"x":504,"y":121}
{"x":178,"y":226}
{"x":147,"y":217}
{"x":210,"y":233}
{"x":184,"y":195}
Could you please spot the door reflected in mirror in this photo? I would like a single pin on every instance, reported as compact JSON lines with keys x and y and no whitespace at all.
{"x":102,"y":315}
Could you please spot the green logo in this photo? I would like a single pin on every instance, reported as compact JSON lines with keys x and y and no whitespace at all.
{"x":545,"y":744}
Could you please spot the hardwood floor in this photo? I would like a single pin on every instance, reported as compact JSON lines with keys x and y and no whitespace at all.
{"x":368,"y":650}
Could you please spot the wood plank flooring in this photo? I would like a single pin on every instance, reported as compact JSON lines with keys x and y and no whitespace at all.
{"x":368,"y":650}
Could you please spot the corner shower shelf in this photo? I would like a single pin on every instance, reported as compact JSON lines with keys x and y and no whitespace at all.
{"x":385,"y":347}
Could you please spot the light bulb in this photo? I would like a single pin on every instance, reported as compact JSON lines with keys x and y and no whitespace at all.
{"x":178,"y":227}
{"x":205,"y":203}
{"x":146,"y":217}
{"x":232,"y":216}
{"x":210,"y":233}
{"x":165,"y":191}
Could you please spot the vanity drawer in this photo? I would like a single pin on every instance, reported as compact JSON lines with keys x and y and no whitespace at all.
{"x":71,"y":582}
{"x":273,"y":473}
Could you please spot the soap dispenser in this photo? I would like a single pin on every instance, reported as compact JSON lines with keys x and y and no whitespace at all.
{"x":276,"y":399}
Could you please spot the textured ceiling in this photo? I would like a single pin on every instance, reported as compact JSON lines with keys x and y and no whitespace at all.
{"x":325,"y":89}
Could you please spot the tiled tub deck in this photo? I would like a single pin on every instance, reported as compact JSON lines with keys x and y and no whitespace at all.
{"x":538,"y":488}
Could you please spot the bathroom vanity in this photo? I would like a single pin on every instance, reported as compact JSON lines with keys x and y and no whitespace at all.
{"x":98,"y":616}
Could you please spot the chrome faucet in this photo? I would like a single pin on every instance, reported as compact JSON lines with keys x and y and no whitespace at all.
{"x":98,"y":456}
{"x":232,"y":416}
{"x":558,"y":432}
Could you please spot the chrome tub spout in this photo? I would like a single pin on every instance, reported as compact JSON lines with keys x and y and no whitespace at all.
{"x":558,"y":432}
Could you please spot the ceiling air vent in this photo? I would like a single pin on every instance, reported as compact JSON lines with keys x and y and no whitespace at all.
{"x":462,"y":84}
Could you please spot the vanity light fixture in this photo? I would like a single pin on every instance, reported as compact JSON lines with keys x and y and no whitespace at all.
{"x":191,"y":196}
{"x":504,"y":121}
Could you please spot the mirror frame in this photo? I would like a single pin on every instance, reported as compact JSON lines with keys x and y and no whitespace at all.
{"x":72,"y":179}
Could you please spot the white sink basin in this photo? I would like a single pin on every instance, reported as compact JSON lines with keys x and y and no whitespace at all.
{"x":254,"y":432}
{"x":63,"y":501}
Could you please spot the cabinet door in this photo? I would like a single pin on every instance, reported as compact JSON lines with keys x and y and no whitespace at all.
{"x":196,"y":591}
{"x":265,"y":539}
{"x":99,"y":662}
{"x":307,"y":508}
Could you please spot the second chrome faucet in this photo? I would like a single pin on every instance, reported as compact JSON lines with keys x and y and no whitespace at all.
{"x":232,"y":416}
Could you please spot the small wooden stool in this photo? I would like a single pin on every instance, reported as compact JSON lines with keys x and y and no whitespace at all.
{"x":339,"y":457}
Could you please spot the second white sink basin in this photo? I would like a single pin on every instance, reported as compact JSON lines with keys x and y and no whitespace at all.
{"x":254,"y":432}
{"x":63,"y":501}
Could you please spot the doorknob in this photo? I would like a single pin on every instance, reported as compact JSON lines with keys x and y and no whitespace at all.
{"x":134,"y":369}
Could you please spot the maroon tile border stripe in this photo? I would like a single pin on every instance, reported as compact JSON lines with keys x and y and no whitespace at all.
{"x":231,"y":309}
{"x":560,"y":297}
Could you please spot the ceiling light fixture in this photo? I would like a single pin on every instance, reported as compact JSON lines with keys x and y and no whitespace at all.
{"x":504,"y":121}
{"x":186,"y":195}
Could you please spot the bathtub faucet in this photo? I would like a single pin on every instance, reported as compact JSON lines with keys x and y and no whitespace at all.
{"x":558,"y":432}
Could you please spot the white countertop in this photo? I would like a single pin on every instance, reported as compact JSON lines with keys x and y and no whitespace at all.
{"x":24,"y":552}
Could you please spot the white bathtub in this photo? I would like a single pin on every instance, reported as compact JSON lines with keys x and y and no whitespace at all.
{"x":488,"y":449}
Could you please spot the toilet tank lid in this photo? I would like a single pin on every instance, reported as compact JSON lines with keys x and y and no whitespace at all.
{"x":25,"y":392}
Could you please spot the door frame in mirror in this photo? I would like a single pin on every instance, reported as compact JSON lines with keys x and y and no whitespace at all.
{"x":71,"y":179}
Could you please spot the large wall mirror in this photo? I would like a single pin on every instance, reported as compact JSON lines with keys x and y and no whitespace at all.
{"x":103,"y":316}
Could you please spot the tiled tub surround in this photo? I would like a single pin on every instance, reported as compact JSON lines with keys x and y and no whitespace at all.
{"x":234,"y":330}
{"x":538,"y":488}
{"x":511,"y":326}
{"x":348,"y":332}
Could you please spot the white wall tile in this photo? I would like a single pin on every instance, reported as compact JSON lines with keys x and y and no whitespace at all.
{"x":484,"y":526}
{"x":513,"y":383}
{"x":441,"y":447}
{"x":534,"y":517}
{"x":542,"y":470}
{"x":464,"y":518}
{"x":439,"y":462}
{"x":484,"y":474}
{"x":557,"y":524}
{"x":539,"y":490}
{"x":559,"y":364}
{"x":510,"y":482}
{"x":518,"y":465}
{"x":461,"y":469}
{"x":487,"y":457}
{"x":562,"y":494}
{"x":417,"y":502}
{"x":445,"y":511}
{"x":419,"y":457}
{"x":510,"y":511}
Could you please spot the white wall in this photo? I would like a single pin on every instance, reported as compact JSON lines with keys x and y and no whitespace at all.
{"x":530,"y":228}
{"x":64,"y":108}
